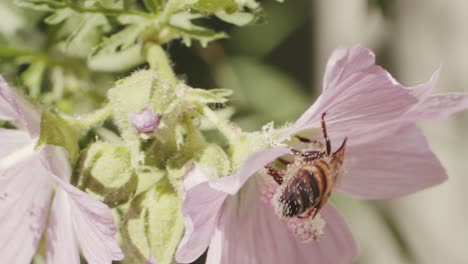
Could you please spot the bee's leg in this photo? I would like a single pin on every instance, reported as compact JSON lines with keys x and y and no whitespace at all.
{"x":283,"y":161}
{"x":309,"y":141}
{"x":308,"y":213}
{"x":309,"y":155}
{"x":275,"y":173}
{"x":303,"y":139}
{"x":325,"y":135}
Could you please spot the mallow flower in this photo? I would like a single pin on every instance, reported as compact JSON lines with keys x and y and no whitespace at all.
{"x":35,"y":194}
{"x":385,"y":156}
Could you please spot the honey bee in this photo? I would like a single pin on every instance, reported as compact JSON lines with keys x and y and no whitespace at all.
{"x":307,"y":182}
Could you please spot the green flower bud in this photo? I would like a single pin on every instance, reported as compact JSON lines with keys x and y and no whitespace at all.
{"x":106,"y":171}
{"x":153,"y":225}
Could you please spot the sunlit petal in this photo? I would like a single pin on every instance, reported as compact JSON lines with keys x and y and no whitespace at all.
{"x":201,"y":207}
{"x":61,"y":240}
{"x":249,"y":232}
{"x":395,"y":165}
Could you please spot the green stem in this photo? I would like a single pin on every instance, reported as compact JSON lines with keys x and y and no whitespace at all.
{"x":158,"y":60}
{"x":230,"y":131}
{"x":109,"y":136}
{"x":7,"y":51}
{"x":92,"y":119}
{"x":171,"y":7}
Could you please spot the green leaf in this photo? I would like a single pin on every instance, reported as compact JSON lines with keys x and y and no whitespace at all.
{"x":41,"y":5}
{"x":120,"y":40}
{"x":59,"y":16}
{"x":86,"y":32}
{"x":174,"y":6}
{"x":238,"y":18}
{"x":33,"y":76}
{"x":213,"y":6}
{"x":221,"y":92}
{"x":153,"y":225}
{"x":153,"y":5}
{"x":205,"y":96}
{"x":183,"y":24}
{"x":119,"y":52}
{"x":107,"y":4}
{"x":117,"y":62}
{"x":57,"y":131}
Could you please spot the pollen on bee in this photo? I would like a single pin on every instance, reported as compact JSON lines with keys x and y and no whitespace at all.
{"x":267,"y":192}
{"x":308,"y":229}
{"x":304,"y":229}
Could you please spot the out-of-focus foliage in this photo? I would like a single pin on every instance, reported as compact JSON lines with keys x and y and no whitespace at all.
{"x":256,"y":87}
{"x":73,"y":50}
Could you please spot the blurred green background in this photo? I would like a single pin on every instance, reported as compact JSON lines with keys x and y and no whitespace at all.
{"x":275,"y":68}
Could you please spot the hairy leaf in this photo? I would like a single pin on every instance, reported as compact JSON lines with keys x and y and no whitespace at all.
{"x":57,"y":131}
{"x":183,"y":24}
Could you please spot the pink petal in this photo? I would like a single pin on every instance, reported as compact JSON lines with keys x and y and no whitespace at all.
{"x":338,"y":244}
{"x":249,"y":232}
{"x":26,"y":114}
{"x":25,"y":190}
{"x":6,"y":112}
{"x":151,"y":260}
{"x":11,"y":140}
{"x":92,"y":220}
{"x":231,"y":184}
{"x":56,"y":160}
{"x":194,"y":176}
{"x":397,"y":164}
{"x":345,"y":61}
{"x":358,"y":96}
{"x":200,"y":209}
{"x":440,"y":106}
{"x":61,"y":241}
{"x":93,"y":224}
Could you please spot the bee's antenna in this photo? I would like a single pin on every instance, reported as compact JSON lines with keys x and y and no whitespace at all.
{"x":325,"y":135}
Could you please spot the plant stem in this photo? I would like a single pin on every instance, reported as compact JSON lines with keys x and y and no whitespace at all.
{"x":158,"y":60}
{"x":230,"y":131}
{"x":92,"y":119}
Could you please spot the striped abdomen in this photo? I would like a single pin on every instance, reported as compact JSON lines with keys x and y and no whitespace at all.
{"x":308,"y":188}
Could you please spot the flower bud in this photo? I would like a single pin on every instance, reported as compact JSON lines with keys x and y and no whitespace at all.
{"x":146,"y":121}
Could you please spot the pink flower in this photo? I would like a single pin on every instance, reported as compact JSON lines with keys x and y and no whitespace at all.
{"x":27,"y":180}
{"x":145,"y":121}
{"x":386,"y":156}
{"x":151,"y":260}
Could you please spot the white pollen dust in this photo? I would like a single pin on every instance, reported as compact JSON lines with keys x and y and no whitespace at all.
{"x":305,"y":230}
